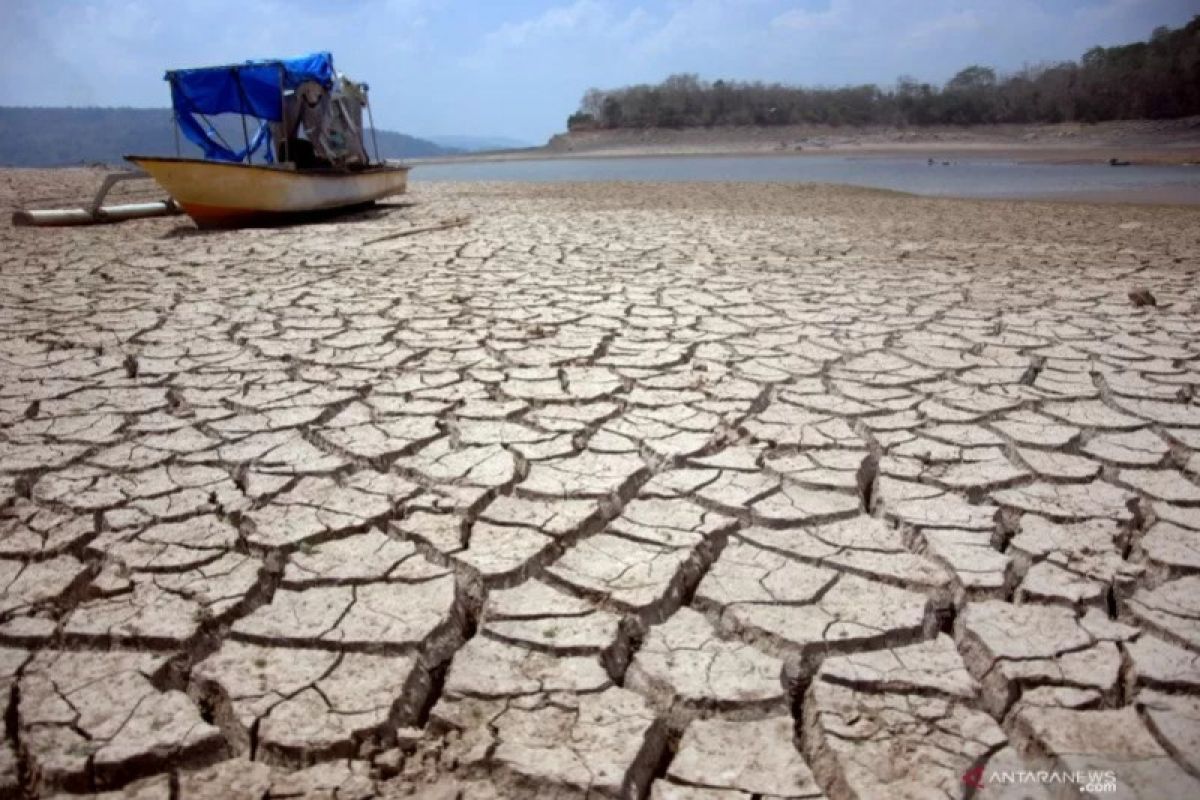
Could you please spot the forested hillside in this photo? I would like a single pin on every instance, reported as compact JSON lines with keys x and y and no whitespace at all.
{"x":51,"y":137}
{"x":1158,"y":79}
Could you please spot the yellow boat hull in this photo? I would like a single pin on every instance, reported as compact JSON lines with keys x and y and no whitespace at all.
{"x":218,"y":194}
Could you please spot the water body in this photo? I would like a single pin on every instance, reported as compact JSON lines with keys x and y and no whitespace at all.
{"x":959,"y":178}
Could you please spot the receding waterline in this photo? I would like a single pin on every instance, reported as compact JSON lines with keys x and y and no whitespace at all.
{"x":956,"y":178}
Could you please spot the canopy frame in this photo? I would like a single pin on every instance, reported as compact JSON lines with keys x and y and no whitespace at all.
{"x":223,"y":89}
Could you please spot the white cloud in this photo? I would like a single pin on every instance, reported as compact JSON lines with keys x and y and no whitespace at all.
{"x":700,"y":26}
{"x":123,"y":43}
{"x":581,"y":16}
{"x":954,"y":23}
{"x":804,"y":19}
{"x":586,"y":24}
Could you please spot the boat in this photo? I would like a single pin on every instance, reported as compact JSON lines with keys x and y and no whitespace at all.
{"x":309,"y":144}
{"x":221,"y":195}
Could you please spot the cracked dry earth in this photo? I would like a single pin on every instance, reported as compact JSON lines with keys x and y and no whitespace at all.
{"x":687,"y":492}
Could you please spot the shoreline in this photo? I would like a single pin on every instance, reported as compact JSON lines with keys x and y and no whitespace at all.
{"x":1167,"y":142}
{"x":1173,"y":189}
{"x":84,"y":180}
{"x":1158,"y":157}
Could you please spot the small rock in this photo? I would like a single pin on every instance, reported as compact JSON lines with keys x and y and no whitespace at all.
{"x":1142,"y":297}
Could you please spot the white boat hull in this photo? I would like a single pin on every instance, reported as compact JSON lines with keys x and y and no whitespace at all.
{"x":219,"y":194}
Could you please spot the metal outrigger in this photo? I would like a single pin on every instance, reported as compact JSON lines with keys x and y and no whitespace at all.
{"x":98,"y":213}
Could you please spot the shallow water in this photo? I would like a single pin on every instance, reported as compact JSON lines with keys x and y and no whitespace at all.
{"x":959,"y":178}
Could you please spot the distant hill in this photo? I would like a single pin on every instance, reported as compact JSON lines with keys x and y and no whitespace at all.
{"x":474,"y":144}
{"x":55,"y":137}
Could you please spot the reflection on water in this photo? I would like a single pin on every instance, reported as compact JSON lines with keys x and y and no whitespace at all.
{"x":959,"y":178}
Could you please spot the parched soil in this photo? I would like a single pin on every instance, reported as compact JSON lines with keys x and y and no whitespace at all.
{"x":618,"y":490}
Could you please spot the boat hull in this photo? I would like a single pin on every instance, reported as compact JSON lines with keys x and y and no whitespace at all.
{"x":218,"y":194}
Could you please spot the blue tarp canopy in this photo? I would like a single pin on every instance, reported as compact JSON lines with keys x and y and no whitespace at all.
{"x":254,"y":88}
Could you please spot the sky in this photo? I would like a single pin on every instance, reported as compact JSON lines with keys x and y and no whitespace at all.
{"x":517,"y":69}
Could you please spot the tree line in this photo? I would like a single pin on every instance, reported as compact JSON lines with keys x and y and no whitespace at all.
{"x":1156,"y":79}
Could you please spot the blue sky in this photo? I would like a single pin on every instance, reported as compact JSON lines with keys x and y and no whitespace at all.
{"x":519,"y":68}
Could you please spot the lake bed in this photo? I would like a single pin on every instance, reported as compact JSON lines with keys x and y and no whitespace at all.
{"x":976,"y":178}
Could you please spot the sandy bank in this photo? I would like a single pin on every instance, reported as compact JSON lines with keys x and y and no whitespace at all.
{"x":1143,"y":142}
